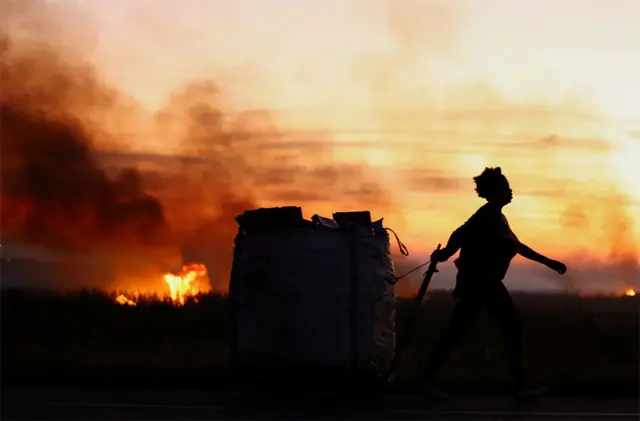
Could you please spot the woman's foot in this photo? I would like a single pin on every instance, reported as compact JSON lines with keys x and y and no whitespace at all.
{"x":530,"y":393}
{"x":431,"y":392}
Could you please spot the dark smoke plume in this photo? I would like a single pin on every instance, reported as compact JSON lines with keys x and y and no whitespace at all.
{"x":63,"y":190}
{"x":54,"y":191}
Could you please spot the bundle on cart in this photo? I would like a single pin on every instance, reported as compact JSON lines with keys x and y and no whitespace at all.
{"x":313,"y":297}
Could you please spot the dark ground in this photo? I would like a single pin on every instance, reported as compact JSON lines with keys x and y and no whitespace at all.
{"x":81,"y":356}
{"x":203,"y":405}
{"x":576,"y":346}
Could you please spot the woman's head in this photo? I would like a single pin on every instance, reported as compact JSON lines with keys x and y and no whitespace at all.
{"x":493,"y":186}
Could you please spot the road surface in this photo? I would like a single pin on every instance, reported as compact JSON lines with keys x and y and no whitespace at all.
{"x":22,"y":404}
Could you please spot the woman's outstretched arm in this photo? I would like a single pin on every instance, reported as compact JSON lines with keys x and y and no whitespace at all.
{"x":528,"y":253}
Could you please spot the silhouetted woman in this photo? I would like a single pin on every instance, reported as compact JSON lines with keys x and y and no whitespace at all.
{"x":487,"y":245}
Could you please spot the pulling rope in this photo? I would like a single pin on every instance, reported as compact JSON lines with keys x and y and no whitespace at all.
{"x":412,"y":270}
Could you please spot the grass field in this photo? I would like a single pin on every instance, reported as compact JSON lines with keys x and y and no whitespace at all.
{"x":578,"y":346}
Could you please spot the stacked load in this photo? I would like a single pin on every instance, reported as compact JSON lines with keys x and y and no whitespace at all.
{"x":316,"y":292}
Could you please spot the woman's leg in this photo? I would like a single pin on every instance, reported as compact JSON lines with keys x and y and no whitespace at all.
{"x":466,"y":311}
{"x":501,"y":308}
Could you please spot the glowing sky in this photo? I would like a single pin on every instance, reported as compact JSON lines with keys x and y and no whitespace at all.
{"x":524,"y":49}
{"x":428,"y":92}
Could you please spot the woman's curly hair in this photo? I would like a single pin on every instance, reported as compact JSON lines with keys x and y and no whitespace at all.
{"x":489,"y":182}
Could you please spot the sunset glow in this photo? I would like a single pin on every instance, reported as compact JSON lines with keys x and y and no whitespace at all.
{"x":386,"y":105}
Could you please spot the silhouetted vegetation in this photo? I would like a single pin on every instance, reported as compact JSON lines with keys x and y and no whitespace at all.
{"x":575,"y":345}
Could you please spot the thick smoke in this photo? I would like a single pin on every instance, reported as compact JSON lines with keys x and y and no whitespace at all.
{"x":619,"y":266}
{"x":54,"y":191}
{"x":65,"y":187}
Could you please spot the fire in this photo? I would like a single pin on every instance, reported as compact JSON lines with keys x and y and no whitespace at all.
{"x":630,"y":292}
{"x":123,"y":300}
{"x":182,"y":285}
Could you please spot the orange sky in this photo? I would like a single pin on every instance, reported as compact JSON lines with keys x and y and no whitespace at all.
{"x":444,"y":87}
{"x":428,"y":92}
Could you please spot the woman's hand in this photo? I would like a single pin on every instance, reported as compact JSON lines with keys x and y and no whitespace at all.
{"x":439,"y":255}
{"x":526,"y":252}
{"x":559,"y":267}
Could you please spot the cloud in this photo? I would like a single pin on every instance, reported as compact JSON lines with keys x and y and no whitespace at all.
{"x":435,"y":181}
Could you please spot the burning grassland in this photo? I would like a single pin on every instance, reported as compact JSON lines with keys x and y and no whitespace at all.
{"x":189,"y":282}
{"x":124,"y":300}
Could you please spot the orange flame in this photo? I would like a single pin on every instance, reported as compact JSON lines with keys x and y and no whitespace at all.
{"x":630,"y":292}
{"x":123,"y":300}
{"x":182,"y":284}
